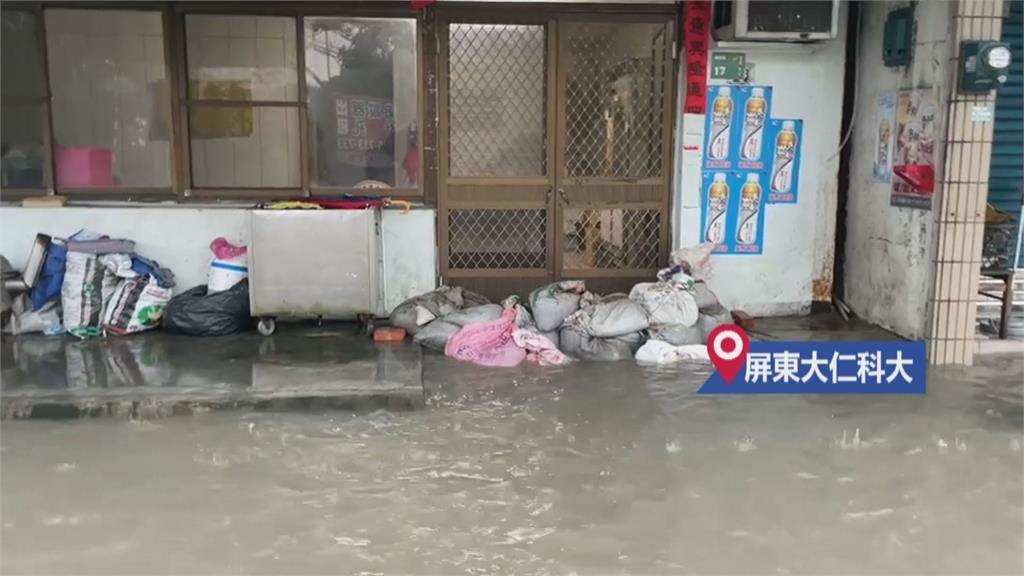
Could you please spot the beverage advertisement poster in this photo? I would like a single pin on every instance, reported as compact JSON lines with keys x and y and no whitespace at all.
{"x":915,"y":146}
{"x":735,"y":127}
{"x":885,"y":117}
{"x":785,"y":144}
{"x":732,"y":216}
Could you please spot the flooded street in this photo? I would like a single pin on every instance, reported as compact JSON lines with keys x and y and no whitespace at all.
{"x":594,"y":468}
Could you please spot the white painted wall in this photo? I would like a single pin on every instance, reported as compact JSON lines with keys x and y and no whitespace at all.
{"x":178,"y":237}
{"x":807,"y":83}
{"x":890,"y":250}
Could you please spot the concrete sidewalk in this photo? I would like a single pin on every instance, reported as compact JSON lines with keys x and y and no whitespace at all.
{"x":157,"y":373}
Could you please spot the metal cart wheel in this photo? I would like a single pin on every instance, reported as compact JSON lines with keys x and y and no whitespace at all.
{"x":371,"y":325}
{"x":267,"y":326}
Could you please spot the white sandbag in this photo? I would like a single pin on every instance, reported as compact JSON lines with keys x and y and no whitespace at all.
{"x":658,"y":352}
{"x":435,"y":335}
{"x":695,"y":260}
{"x":474,"y":315}
{"x":666,"y":303}
{"x":712,"y":319}
{"x":524,"y":320}
{"x":704,"y":297}
{"x":551,"y":304}
{"x":616,"y":318}
{"x":678,"y":335}
{"x":88,"y":285}
{"x":136,"y":305}
{"x":610,"y":349}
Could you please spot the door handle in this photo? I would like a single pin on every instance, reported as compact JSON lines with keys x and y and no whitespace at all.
{"x":563,"y":196}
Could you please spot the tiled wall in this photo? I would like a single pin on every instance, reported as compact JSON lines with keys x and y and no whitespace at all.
{"x":963,"y":186}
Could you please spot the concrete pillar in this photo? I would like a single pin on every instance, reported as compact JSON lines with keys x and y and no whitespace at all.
{"x":963,"y":189}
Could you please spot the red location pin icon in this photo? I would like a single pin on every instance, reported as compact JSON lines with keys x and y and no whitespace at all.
{"x":728,"y":346}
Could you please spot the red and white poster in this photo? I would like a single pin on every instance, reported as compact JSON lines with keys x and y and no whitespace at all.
{"x":696,"y":37}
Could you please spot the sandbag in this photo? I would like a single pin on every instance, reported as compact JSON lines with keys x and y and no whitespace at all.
{"x":488,"y":343}
{"x":551,"y":304}
{"x":678,"y":335}
{"x":616,"y":318}
{"x":694,"y":260}
{"x":197,"y":313}
{"x":136,"y":305}
{"x":610,"y":349}
{"x":552,"y":336}
{"x":435,"y":335}
{"x":666,"y":303}
{"x":712,"y":319}
{"x":88,"y":285}
{"x":474,"y":315}
{"x":658,"y":352}
{"x":418,"y":311}
{"x":704,"y":297}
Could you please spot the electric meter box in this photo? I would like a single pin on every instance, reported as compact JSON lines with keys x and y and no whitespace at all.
{"x":984,"y":65}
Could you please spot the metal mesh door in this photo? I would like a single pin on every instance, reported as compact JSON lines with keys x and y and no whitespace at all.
{"x":496,"y":224}
{"x":615,"y":89}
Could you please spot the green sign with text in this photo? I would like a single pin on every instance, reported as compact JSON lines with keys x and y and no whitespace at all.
{"x":728,"y":65}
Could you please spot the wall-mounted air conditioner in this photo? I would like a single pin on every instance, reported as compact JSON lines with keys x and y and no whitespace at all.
{"x":769,"y":20}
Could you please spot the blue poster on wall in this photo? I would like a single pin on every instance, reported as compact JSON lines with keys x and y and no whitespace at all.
{"x":785,"y":138}
{"x":732,"y":216}
{"x":735,"y":127}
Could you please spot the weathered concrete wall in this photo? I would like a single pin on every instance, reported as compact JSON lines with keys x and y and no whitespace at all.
{"x":890,"y":250}
{"x":179,"y":237}
{"x":799,"y":239}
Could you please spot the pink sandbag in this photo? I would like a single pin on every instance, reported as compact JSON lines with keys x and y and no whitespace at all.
{"x":539,"y":349}
{"x":487,"y":343}
{"x":224,"y":250}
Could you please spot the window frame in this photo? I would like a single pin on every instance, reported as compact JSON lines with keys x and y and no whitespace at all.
{"x":182,"y":189}
{"x":298,"y":12}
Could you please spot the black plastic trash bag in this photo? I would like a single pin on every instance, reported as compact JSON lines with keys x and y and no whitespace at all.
{"x":197,"y":313}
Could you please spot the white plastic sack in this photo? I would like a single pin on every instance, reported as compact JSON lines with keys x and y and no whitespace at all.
{"x":695,"y":260}
{"x":136,"y":305}
{"x":420,"y":310}
{"x":658,"y":352}
{"x":474,"y":315}
{"x":678,"y":335}
{"x":551,"y":304}
{"x":666,"y":303}
{"x":88,"y":285}
{"x":435,"y":335}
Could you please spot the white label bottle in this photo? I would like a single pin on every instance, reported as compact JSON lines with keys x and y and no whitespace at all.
{"x":750,"y":205}
{"x":785,"y":153}
{"x":753,"y":125}
{"x":718,"y":208}
{"x":721,"y":123}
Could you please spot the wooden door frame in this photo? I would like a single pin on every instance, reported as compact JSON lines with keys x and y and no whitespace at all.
{"x":553,"y":17}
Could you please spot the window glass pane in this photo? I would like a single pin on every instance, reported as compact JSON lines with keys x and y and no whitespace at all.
{"x":23,"y":154}
{"x":242,"y":58}
{"x":362,"y":92}
{"x":244,"y":147}
{"x":111,"y":100}
{"x":21,"y":132}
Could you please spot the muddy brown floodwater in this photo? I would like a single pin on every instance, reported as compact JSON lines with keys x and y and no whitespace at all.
{"x":593,"y":468}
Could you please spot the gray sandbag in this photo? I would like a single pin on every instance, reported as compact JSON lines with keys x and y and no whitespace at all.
{"x":474,"y":315}
{"x":666,"y":303}
{"x":678,"y":335}
{"x":711,"y":319}
{"x":619,"y":317}
{"x":611,"y":349}
{"x":552,"y":336}
{"x":705,"y":298}
{"x":551,"y":304}
{"x":420,"y":310}
{"x":570,"y":338}
{"x":435,"y":335}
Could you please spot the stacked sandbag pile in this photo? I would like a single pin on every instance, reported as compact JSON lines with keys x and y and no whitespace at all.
{"x":609,"y":328}
{"x":434,"y":317}
{"x":553,"y":303}
{"x":671,"y":310}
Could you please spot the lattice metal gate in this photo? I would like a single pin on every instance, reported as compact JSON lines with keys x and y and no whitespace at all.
{"x":554,"y":150}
